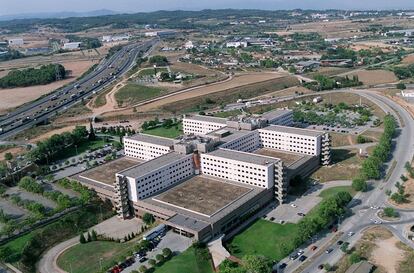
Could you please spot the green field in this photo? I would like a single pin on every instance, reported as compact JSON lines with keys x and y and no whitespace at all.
{"x":134,"y":93}
{"x":17,"y":245}
{"x":88,"y":145}
{"x":151,"y":71}
{"x":185,"y":263}
{"x":264,"y":238}
{"x":84,"y":258}
{"x":173,"y":132}
{"x":332,"y":191}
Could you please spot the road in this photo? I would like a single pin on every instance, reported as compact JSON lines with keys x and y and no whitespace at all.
{"x":106,"y":73}
{"x":363,"y":216}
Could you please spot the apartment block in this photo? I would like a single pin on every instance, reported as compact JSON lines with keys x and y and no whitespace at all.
{"x":202,"y":125}
{"x":146,"y":147}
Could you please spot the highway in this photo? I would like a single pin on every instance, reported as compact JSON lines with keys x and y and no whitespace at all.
{"x":366,"y":206}
{"x":106,"y":73}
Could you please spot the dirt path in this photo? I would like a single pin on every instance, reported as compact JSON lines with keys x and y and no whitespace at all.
{"x":387,"y":254}
{"x":351,"y":142}
{"x":236,"y":81}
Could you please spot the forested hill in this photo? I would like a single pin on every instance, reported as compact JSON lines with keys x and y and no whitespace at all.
{"x":33,"y":76}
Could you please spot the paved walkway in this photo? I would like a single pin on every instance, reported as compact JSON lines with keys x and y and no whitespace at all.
{"x":217,"y":251}
{"x":112,"y":227}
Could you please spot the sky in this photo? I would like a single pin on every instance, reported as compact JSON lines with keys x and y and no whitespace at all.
{"x":36,"y":6}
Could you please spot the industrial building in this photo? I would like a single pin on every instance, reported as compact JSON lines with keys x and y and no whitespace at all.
{"x":206,"y":183}
{"x":71,"y":46}
{"x":15,"y":41}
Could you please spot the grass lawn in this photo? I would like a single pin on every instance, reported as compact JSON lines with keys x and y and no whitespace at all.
{"x":18,"y":244}
{"x":88,"y":145}
{"x":150,"y":71}
{"x":134,"y":93}
{"x":264,"y":238}
{"x":84,"y":258}
{"x":185,"y":263}
{"x":172,"y":132}
{"x":332,"y":191}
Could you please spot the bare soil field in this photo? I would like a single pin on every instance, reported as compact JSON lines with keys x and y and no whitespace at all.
{"x":347,"y":28}
{"x":370,"y":45}
{"x":14,"y":97}
{"x":236,"y":81}
{"x":381,"y":248}
{"x":288,"y":92}
{"x":13,"y":150}
{"x":329,"y":71}
{"x":373,"y":77}
{"x":409,"y":59}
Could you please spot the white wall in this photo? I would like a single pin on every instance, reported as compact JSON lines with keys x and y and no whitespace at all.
{"x":246,"y":143}
{"x":198,"y":127}
{"x":238,"y":171}
{"x":160,"y":178}
{"x":144,"y":150}
{"x":303,"y":144}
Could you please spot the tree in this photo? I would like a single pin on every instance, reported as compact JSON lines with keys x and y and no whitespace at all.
{"x":167,"y":252}
{"x":359,"y":184}
{"x":354,"y":258}
{"x":257,"y":264}
{"x":92,"y":135}
{"x":94,"y":235}
{"x":152,"y":262}
{"x":344,"y":247}
{"x":89,"y":237}
{"x":401,"y":86}
{"x":160,"y":258}
{"x":327,"y":267}
{"x":8,"y":156}
{"x":143,"y":269}
{"x":148,"y":218}
{"x":82,"y":239}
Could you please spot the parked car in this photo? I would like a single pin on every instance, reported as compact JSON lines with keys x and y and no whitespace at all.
{"x":320,"y":266}
{"x":329,"y":250}
{"x":302,"y":258}
{"x":283,"y":265}
{"x":313,"y":248}
{"x":294,"y":256}
{"x":339,"y":243}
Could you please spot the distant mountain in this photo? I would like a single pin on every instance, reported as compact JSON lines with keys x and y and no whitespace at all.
{"x":62,"y":14}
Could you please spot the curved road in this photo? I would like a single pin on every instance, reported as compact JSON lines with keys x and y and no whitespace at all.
{"x":363,"y":216}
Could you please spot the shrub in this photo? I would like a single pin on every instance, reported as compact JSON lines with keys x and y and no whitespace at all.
{"x":390,"y":212}
{"x":359,"y":184}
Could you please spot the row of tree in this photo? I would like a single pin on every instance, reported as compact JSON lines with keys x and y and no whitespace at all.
{"x":327,"y":83}
{"x":54,"y":148}
{"x":33,"y":76}
{"x":373,"y":165}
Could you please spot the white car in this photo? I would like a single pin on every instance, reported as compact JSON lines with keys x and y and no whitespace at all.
{"x":293,"y":205}
{"x":350,"y":233}
{"x":300,"y":252}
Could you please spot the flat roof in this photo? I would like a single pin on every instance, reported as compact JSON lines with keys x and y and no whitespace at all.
{"x":202,"y":195}
{"x":292,"y":130}
{"x":152,"y":139}
{"x":207,"y":119}
{"x":105,"y":173}
{"x":244,"y":157}
{"x":191,"y":223}
{"x":287,"y":158}
{"x":152,"y":165}
{"x":276,"y":113}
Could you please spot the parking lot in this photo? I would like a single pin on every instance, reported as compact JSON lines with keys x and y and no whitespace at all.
{"x":289,"y":212}
{"x":171,"y":240}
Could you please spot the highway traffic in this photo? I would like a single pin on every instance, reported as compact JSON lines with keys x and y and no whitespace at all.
{"x":107,"y":72}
